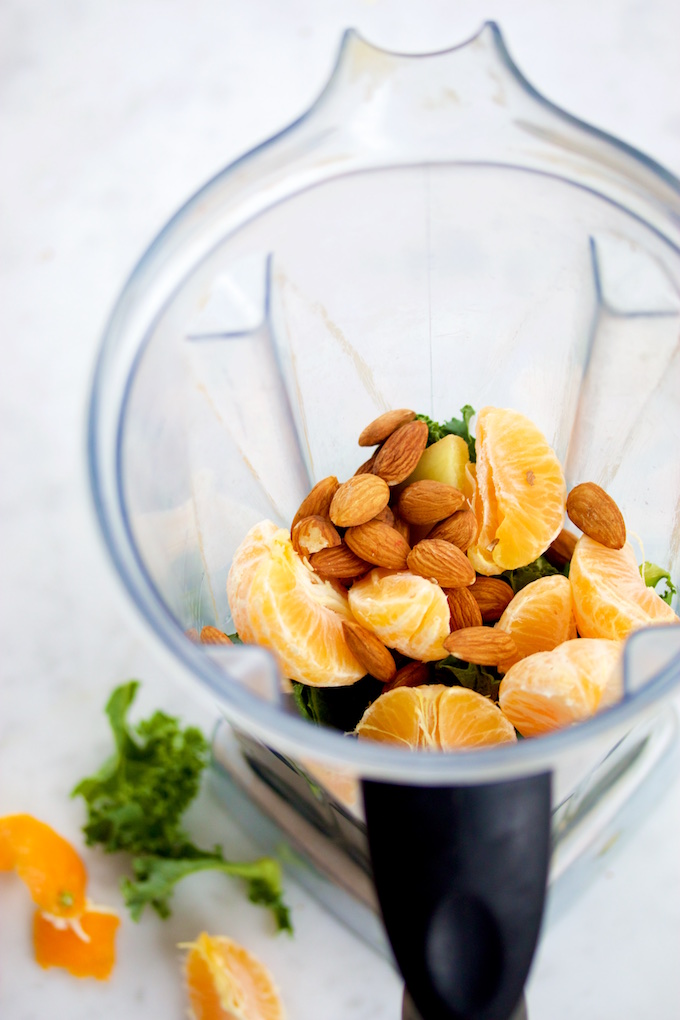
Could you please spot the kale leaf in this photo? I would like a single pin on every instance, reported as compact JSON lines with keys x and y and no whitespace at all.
{"x":456,"y":673}
{"x":453,"y":427}
{"x":522,"y":576}
{"x":135,"y":803}
{"x":338,"y":707}
{"x":652,"y":574}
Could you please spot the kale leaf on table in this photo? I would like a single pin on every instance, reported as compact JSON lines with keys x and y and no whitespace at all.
{"x":136,"y":801}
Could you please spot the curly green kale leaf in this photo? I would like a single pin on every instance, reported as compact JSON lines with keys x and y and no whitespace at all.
{"x":652,"y":575}
{"x":453,"y":427}
{"x":136,"y":801}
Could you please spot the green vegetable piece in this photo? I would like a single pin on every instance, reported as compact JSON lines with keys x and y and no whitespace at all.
{"x":338,"y":707}
{"x":456,"y":673}
{"x":652,"y":574}
{"x":136,"y":801}
{"x":137,"y":798}
{"x":522,"y":576}
{"x":156,"y":877}
{"x":453,"y":427}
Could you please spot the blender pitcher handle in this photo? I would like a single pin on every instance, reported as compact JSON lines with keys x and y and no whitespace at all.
{"x":461,"y":875}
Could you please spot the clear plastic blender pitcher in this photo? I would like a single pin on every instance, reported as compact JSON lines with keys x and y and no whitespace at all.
{"x":432,"y":232}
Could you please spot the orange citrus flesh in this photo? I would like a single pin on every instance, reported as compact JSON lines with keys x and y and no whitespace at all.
{"x":520,"y":494}
{"x":610,"y":597}
{"x":540,"y":617}
{"x":277,"y":601}
{"x":549,"y":690}
{"x":436,"y":718}
{"x":407,"y":612}
{"x":64,"y":946}
{"x":47,"y":863}
{"x":225,"y":982}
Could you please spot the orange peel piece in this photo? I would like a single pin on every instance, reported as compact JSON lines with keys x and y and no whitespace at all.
{"x":85,"y":946}
{"x":53,"y":871}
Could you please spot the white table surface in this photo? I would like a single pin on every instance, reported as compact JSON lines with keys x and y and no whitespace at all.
{"x":113,"y":112}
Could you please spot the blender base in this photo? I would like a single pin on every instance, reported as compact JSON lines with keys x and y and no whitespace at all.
{"x":321,"y":845}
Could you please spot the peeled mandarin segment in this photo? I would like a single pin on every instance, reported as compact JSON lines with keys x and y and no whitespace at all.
{"x":435,"y":717}
{"x":64,"y":947}
{"x":225,"y":982}
{"x":610,"y":597}
{"x":54,"y":873}
{"x":407,"y":612}
{"x":281,"y":604}
{"x":549,"y":690}
{"x":520,"y":492}
{"x":540,"y":617}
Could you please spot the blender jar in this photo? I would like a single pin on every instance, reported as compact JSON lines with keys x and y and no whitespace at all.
{"x":432,"y":232}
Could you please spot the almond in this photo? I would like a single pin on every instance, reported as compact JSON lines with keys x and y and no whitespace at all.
{"x":428,"y":501}
{"x":400,"y":452}
{"x":367,"y":467}
{"x":441,"y":561}
{"x":413,"y":674}
{"x":384,"y":425}
{"x":213,"y":636}
{"x":592,"y":510}
{"x":492,"y":596}
{"x":460,"y":529}
{"x":465,"y":611}
{"x":358,"y":500}
{"x":318,"y":501}
{"x":338,"y":561}
{"x":484,"y":646}
{"x":370,"y":651}
{"x":312,"y":534}
{"x":378,"y":543}
{"x":403,"y":528}
{"x":560,"y":551}
{"x":385,"y":515}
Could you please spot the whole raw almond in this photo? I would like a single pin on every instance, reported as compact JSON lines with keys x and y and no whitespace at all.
{"x":367,"y":467}
{"x":593,"y":510}
{"x":370,"y":651}
{"x":312,"y":534}
{"x":442,"y":561}
{"x":378,"y":543}
{"x":318,"y":501}
{"x":358,"y":500}
{"x":428,"y":501}
{"x":560,"y":552}
{"x":465,"y":611}
{"x":338,"y":561}
{"x":401,"y":451}
{"x":413,"y":674}
{"x":213,"y":636}
{"x":484,"y":646}
{"x":384,"y":425}
{"x":492,"y":596}
{"x":460,"y":529}
{"x":403,"y":528}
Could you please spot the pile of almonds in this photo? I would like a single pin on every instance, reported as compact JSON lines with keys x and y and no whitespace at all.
{"x":346,"y":529}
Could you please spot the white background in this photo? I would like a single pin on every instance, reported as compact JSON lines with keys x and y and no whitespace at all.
{"x":113,"y":112}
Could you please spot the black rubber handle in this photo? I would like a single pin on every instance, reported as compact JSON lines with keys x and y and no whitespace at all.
{"x":461,"y":876}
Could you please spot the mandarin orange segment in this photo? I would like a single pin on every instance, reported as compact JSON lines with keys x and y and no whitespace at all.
{"x":277,"y":601}
{"x":549,"y":690}
{"x":540,"y":617}
{"x":520,"y":493}
{"x":85,"y":948}
{"x":406,"y":611}
{"x":226,"y":982}
{"x":54,"y":873}
{"x":610,"y":597}
{"x":436,"y":718}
